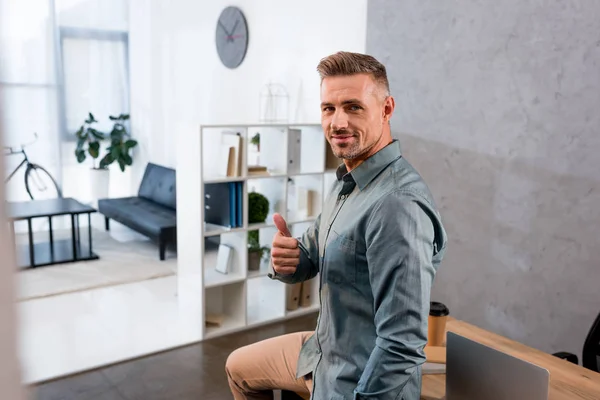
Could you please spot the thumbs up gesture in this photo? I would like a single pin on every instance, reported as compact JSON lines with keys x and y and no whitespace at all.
{"x":285,"y":253}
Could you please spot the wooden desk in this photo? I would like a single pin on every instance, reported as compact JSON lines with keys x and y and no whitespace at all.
{"x":567,"y":380}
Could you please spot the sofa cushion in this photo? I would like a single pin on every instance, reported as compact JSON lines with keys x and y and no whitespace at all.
{"x":139,"y":214}
{"x":158,"y":185}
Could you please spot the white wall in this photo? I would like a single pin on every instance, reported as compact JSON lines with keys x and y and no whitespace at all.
{"x":178,"y":81}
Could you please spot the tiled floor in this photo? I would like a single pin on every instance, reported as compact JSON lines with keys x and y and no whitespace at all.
{"x":193,"y":372}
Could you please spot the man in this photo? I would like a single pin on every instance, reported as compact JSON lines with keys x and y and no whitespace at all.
{"x":377,"y":244}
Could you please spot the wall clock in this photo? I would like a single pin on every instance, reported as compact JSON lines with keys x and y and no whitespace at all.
{"x":232,"y":37}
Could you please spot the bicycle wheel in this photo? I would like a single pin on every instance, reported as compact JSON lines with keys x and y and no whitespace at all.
{"x":40,"y":184}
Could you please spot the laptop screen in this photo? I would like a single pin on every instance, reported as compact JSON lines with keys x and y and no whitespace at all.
{"x":475,"y":371}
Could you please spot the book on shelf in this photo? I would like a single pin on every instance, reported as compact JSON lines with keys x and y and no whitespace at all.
{"x":224,"y":204}
{"x":258,"y":170}
{"x":224,"y":257}
{"x":231,"y":159}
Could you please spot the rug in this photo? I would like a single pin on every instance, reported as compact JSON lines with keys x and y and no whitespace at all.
{"x":124,"y":258}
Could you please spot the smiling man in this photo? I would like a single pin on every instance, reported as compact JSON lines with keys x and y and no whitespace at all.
{"x":377,"y":246}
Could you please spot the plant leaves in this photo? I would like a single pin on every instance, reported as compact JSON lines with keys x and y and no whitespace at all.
{"x":94,"y":149}
{"x":115,"y":150}
{"x":131,"y":143}
{"x":106,"y":160}
{"x":80,"y":142}
{"x":80,"y":154}
{"x":127,"y":159}
{"x":97,"y":134}
{"x":121,"y":165}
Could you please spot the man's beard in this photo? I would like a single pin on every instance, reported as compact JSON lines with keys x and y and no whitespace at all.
{"x":346,"y":151}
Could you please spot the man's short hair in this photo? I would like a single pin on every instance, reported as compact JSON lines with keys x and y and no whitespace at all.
{"x":347,"y":63}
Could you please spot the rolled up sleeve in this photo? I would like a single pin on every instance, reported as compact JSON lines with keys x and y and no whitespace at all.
{"x":400,"y":238}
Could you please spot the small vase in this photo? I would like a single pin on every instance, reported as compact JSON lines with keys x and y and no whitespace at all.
{"x":254,"y":260}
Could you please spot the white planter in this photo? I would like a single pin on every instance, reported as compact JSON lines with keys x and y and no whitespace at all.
{"x":99,"y":181}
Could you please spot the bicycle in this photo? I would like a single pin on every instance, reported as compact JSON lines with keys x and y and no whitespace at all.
{"x":36,"y":176}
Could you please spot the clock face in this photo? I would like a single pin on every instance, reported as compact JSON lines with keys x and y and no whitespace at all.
{"x":232,"y":37}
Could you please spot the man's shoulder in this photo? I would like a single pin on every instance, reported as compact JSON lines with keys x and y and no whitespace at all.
{"x":403,"y":178}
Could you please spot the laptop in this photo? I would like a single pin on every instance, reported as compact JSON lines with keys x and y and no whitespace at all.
{"x":475,"y":372}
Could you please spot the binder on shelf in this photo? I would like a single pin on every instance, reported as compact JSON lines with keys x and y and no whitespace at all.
{"x":294,"y":147}
{"x":240,"y":204}
{"x":293,"y":296}
{"x":224,"y":204}
{"x":306,"y":293}
{"x":217,"y":205}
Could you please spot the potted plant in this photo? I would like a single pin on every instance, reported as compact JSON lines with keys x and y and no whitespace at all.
{"x":88,"y":144}
{"x":256,"y":252}
{"x":258,"y":210}
{"x":121,"y":144}
{"x":255,"y":140}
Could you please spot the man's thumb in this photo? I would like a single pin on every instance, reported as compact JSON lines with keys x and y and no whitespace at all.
{"x":281,"y":225}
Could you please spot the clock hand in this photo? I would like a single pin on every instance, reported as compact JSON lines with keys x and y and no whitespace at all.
{"x":234,"y":26}
{"x":225,"y":29}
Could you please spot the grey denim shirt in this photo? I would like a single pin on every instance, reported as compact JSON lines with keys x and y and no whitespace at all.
{"x":377,"y":244}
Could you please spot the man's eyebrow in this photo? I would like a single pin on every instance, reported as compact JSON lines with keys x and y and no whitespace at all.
{"x":345,"y":102}
{"x":352,"y":101}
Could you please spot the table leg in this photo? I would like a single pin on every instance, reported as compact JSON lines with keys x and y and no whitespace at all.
{"x":73,"y":237}
{"x":90,"y":231}
{"x":78,"y":237}
{"x":51,"y":233}
{"x":31,"y":250}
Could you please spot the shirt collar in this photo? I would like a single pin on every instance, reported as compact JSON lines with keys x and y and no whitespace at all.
{"x":372,"y":166}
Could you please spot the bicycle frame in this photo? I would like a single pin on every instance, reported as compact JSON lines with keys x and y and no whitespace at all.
{"x":25,"y":161}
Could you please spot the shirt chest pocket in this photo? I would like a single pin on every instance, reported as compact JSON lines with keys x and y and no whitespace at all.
{"x":340,"y":259}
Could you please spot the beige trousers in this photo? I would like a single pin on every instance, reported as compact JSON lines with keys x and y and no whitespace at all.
{"x":254,"y":371}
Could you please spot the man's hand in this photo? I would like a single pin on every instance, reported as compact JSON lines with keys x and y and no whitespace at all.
{"x":285,"y":253}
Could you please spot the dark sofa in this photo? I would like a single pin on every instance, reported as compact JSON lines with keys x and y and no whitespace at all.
{"x":152,"y":212}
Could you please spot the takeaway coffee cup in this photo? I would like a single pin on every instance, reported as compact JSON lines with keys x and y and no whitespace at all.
{"x":438,"y":314}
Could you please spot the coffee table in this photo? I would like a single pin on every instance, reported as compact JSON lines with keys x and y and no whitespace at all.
{"x":53,"y":251}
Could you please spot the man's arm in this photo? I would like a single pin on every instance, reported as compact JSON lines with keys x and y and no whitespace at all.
{"x":399,"y":240}
{"x":309,"y":257}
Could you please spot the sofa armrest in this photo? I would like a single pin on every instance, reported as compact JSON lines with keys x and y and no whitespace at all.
{"x":567,"y":356}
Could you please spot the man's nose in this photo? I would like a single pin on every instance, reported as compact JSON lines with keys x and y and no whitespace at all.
{"x":339,"y":121}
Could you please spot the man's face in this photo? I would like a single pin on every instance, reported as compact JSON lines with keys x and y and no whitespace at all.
{"x":354,"y":113}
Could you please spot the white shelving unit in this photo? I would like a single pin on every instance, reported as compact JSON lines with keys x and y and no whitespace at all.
{"x":297,"y":159}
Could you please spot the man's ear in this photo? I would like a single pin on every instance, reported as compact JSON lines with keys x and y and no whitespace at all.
{"x":389,"y":104}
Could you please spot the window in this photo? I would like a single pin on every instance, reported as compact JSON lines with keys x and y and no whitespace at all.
{"x":94,"y":77}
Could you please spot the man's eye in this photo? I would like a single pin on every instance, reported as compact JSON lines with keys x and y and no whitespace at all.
{"x":327,"y":109}
{"x":354,"y":108}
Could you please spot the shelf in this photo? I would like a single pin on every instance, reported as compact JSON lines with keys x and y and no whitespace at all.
{"x":216,"y":230}
{"x":223,"y":179}
{"x":297,"y":170}
{"x":265,"y":300}
{"x":262,"y":271}
{"x":60,"y":252}
{"x":212,"y":278}
{"x":229,"y":325}
{"x":300,"y":311}
{"x":238,"y":252}
{"x":293,"y":219}
{"x":227,"y":304}
{"x":261,"y":225}
{"x":274,"y":190}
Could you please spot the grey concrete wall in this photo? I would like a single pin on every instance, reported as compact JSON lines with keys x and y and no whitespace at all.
{"x":498,"y":106}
